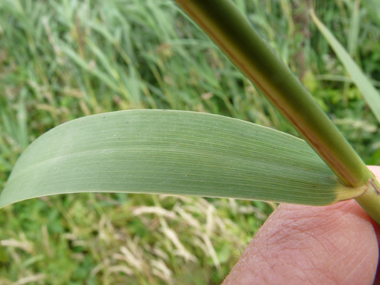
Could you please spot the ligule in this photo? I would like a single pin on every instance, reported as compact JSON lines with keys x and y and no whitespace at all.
{"x":346,"y":193}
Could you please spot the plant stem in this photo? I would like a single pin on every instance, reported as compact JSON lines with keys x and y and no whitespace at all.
{"x":370,"y":200}
{"x":237,"y":38}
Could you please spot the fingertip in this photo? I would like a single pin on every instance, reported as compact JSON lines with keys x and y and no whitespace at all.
{"x":333,"y":244}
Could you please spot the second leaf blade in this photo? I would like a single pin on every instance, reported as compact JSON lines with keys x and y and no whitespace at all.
{"x":370,"y":94}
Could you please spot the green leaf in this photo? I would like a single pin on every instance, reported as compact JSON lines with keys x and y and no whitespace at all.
{"x":358,"y":77}
{"x":173,"y":152}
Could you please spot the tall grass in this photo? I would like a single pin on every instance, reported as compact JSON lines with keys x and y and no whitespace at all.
{"x":60,"y":60}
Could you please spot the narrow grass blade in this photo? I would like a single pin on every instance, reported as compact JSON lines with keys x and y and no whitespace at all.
{"x":173,"y":152}
{"x":354,"y":28}
{"x":94,"y":71}
{"x":371,"y":95}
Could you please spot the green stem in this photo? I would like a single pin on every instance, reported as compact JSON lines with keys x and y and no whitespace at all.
{"x":233,"y":33}
{"x":370,"y":200}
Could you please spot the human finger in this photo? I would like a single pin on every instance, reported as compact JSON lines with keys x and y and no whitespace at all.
{"x":334,"y":244}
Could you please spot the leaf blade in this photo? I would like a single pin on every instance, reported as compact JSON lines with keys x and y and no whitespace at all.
{"x":173,"y":152}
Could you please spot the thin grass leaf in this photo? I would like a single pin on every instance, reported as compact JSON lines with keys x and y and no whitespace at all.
{"x":173,"y":152}
{"x":354,"y":28}
{"x":370,"y":94}
{"x":84,"y":65}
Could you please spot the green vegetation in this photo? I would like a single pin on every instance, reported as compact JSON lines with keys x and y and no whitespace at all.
{"x":65,"y":59}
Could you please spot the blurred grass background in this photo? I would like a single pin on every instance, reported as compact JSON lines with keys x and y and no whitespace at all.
{"x":64,"y":59}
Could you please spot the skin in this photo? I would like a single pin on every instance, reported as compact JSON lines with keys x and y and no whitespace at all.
{"x":336,"y":244}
